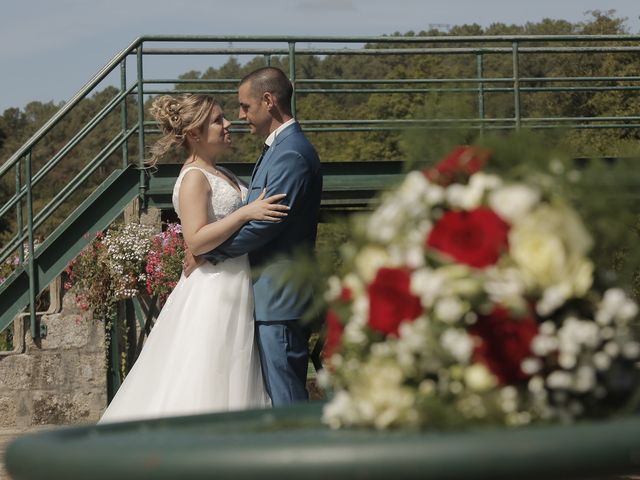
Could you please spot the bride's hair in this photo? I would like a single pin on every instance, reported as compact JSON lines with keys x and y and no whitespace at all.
{"x":176,"y":116}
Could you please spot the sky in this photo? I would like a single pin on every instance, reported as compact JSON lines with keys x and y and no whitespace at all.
{"x":50,"y":48}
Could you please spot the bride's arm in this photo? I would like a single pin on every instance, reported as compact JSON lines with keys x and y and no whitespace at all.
{"x":201,"y":236}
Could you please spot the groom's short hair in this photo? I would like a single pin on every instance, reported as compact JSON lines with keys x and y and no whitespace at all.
{"x":272,"y":80}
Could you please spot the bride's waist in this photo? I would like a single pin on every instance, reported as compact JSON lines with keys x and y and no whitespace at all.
{"x":241,"y":262}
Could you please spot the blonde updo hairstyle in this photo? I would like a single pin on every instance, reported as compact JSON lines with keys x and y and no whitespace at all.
{"x":177,"y":116}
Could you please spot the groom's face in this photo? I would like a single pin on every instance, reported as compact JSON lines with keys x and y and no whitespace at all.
{"x":253,"y":110}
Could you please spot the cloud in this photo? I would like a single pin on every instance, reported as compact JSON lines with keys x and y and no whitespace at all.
{"x":328,"y":5}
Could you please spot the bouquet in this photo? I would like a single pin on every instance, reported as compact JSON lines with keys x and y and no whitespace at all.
{"x":469,"y":299}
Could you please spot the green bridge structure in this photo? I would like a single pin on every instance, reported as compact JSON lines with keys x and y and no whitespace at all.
{"x":281,"y":442}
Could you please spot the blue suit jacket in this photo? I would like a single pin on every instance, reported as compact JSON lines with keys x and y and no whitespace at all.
{"x":290,"y":165}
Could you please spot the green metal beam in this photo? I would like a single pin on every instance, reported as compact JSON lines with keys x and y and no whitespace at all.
{"x":346,"y":185}
{"x":292,"y":443}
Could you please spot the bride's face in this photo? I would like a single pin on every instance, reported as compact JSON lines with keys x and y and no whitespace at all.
{"x":215,"y":132}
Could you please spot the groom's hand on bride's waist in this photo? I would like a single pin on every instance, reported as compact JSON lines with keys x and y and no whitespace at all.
{"x":190,"y":262}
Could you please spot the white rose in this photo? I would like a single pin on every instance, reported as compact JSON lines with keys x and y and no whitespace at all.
{"x":549,"y":246}
{"x":513,"y":202}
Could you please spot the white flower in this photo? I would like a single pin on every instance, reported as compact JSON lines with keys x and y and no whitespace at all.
{"x":381,"y":396}
{"x":414,"y":334}
{"x":478,"y":378}
{"x":341,"y":410}
{"x":456,"y":195}
{"x":460,"y":280}
{"x":468,"y":197}
{"x":369,"y":259}
{"x":559,"y":379}
{"x":601,"y":360}
{"x":543,"y":345}
{"x":536,"y":384}
{"x":549,"y":246}
{"x":354,"y":334}
{"x":567,"y":360}
{"x":531,"y":365}
{"x":505,"y":286}
{"x":547,"y":328}
{"x":612,"y":349}
{"x":458,"y":343}
{"x":616,"y":305}
{"x":353,"y":283}
{"x":574,"y":333}
{"x":450,"y":309}
{"x":435,"y":194}
{"x":513,"y":202}
{"x":323,"y":378}
{"x":414,"y":257}
{"x":413,"y":189}
{"x":631,"y":350}
{"x":428,"y":285}
{"x":585,"y":379}
{"x":334,"y":289}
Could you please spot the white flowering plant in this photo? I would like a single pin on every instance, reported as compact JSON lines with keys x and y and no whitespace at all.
{"x":114,"y":266}
{"x":468,"y":299}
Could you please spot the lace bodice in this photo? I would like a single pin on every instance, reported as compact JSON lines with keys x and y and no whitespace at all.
{"x":223,"y":199}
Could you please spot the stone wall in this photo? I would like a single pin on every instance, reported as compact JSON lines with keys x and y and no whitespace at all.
{"x":59,"y":379}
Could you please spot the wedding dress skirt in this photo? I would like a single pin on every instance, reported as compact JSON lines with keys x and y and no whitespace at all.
{"x":201,"y":355}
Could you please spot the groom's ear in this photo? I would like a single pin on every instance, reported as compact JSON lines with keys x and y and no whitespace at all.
{"x":269,"y":99}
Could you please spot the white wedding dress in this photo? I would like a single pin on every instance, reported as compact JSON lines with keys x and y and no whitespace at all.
{"x":201,"y":355}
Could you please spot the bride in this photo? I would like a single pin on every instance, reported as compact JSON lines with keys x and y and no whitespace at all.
{"x":201,"y":355}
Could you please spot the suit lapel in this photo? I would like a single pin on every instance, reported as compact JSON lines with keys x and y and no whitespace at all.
{"x":265,"y":147}
{"x":268,"y":151}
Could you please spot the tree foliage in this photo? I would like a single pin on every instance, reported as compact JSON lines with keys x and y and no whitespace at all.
{"x":416,"y":146}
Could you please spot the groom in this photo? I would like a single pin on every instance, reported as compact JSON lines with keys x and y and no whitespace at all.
{"x":288,"y":164}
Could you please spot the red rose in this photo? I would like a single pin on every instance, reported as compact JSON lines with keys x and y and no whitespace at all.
{"x":334,"y":325}
{"x":391,"y":301}
{"x":459,"y":165}
{"x":505,"y":341}
{"x":475,"y":238}
{"x":346,"y":295}
{"x":334,"y":333}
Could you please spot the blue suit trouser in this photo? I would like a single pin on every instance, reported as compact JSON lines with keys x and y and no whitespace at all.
{"x":284,"y":353}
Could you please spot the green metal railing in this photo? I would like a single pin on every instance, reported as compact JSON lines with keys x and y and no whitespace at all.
{"x":30,"y":212}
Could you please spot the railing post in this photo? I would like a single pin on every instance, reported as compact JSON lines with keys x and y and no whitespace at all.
{"x":267,"y":59}
{"x":31,"y":264}
{"x":292,"y":75}
{"x":19,"y":222}
{"x":124,"y":113}
{"x":516,"y":84}
{"x":480,"y":74}
{"x":143,"y":183}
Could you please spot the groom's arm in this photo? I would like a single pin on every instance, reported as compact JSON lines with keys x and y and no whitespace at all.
{"x":289,"y":173}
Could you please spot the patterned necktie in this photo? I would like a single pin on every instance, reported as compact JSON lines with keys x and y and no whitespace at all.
{"x":265,"y":147}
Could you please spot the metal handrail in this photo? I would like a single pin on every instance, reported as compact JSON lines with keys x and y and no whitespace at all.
{"x":66,"y":192}
{"x":49,"y":165}
{"x":75,"y":100}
